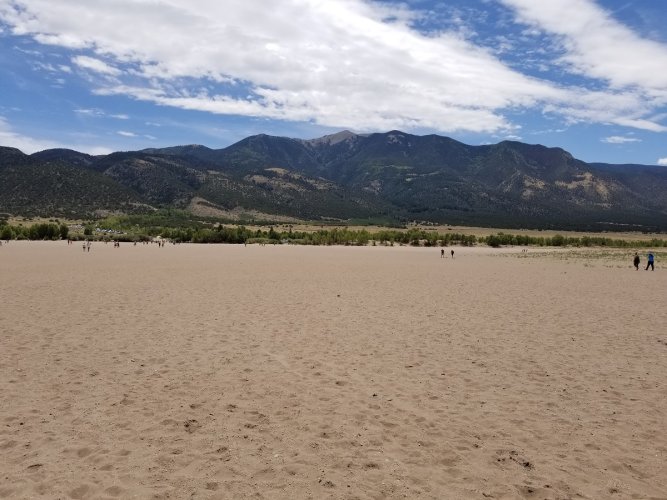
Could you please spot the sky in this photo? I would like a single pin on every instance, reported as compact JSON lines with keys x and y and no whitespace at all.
{"x":97,"y":76}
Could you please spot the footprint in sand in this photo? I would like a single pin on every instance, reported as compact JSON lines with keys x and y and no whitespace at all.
{"x":191,"y":425}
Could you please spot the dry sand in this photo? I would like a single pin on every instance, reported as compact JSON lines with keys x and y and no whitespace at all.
{"x":318,"y":372}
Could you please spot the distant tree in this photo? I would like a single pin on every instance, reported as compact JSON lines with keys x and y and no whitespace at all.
{"x":6,"y":233}
{"x":273,"y":235}
{"x":493,"y":241}
{"x":64,"y":231}
{"x":558,"y":240}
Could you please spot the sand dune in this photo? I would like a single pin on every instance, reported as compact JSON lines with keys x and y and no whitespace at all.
{"x":317,"y":372}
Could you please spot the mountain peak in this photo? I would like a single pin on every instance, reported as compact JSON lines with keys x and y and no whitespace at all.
{"x":176,"y":150}
{"x":331,"y":139}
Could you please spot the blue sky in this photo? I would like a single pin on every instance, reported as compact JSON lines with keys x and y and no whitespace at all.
{"x":104,"y":75}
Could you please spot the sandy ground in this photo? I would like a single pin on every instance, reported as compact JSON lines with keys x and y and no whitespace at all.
{"x":318,"y":372}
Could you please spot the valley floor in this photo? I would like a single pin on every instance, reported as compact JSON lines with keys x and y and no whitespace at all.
{"x":220,"y":371}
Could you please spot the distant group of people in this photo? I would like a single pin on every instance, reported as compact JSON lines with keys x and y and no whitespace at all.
{"x":442,"y":253}
{"x":88,"y":243}
{"x":650,"y":263}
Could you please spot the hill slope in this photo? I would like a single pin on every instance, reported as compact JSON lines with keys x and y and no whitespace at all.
{"x":390,"y":175}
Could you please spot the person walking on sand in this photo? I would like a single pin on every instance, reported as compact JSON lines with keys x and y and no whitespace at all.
{"x":636,"y":261}
{"x":442,"y":253}
{"x":452,"y":253}
{"x":650,"y":262}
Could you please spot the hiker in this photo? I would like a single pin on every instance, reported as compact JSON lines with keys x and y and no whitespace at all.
{"x":636,"y":261}
{"x":650,"y":262}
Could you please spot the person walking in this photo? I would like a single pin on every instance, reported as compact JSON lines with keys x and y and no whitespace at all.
{"x":636,"y":261}
{"x":650,"y":262}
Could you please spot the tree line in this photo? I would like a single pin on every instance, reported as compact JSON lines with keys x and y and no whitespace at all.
{"x":337,"y":236}
{"x":559,"y":240}
{"x":40,"y":231}
{"x":414,"y":237}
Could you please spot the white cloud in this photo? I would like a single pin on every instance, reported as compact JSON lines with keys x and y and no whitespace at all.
{"x":345,"y":63}
{"x":597,"y":45}
{"x":662,"y":161}
{"x":617,"y":139}
{"x":29,"y":145}
{"x":125,"y":133}
{"x":549,"y":131}
{"x":89,"y":112}
{"x":40,"y":66}
{"x":26,"y":144}
{"x":100,"y":114}
{"x":96,"y":65}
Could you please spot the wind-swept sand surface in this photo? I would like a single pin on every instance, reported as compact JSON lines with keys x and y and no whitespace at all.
{"x":318,"y":372}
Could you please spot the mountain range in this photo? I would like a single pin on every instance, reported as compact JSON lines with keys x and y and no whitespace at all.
{"x":392,"y":177}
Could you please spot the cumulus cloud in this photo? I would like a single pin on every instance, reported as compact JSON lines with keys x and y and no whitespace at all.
{"x":617,"y":139}
{"x":662,"y":161}
{"x":344,"y":63}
